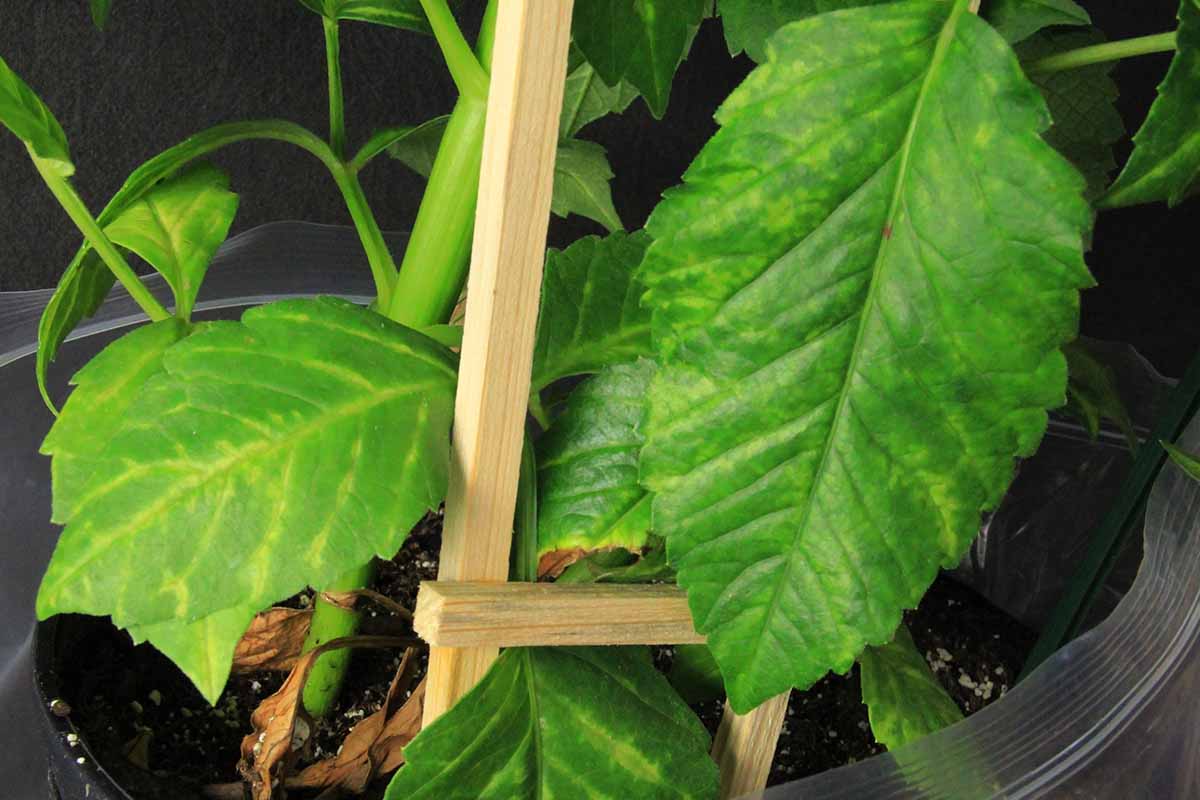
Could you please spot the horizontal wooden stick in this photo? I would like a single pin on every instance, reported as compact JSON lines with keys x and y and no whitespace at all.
{"x":474,"y":614}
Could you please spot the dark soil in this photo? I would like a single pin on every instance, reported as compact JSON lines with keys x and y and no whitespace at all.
{"x":158,"y":737}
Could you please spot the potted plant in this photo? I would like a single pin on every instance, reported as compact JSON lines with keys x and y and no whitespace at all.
{"x":807,"y":378}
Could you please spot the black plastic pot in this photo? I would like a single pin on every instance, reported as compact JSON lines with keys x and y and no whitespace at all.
{"x":73,"y":772}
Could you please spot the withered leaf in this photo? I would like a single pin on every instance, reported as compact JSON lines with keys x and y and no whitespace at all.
{"x":280,"y":724}
{"x":375,"y":746}
{"x":273,"y":641}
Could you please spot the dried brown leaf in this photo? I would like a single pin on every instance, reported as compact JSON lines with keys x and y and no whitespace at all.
{"x":375,"y":746}
{"x":273,"y":641}
{"x":281,"y":726}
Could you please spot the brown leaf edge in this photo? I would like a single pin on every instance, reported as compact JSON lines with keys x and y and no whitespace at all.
{"x":281,"y":727}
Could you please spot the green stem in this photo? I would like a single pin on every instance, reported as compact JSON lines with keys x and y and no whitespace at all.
{"x":469,"y":75}
{"x":525,"y":544}
{"x":439,"y":249}
{"x":69,"y":199}
{"x":1101,"y":53}
{"x":331,"y":622}
{"x":383,"y":266}
{"x":337,"y":107}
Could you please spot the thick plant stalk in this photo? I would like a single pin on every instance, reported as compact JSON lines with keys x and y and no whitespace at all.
{"x":435,"y":264}
{"x":441,"y":240}
{"x":331,"y":622}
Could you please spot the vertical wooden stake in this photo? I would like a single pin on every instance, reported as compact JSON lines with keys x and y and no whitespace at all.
{"x":529,"y":67}
{"x":744,"y":746}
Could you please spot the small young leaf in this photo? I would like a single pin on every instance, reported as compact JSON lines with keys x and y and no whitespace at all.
{"x":581,"y":176}
{"x":1093,"y":394}
{"x":587,"y":98}
{"x":841,"y":294}
{"x":202,"y":649}
{"x":904,"y":700}
{"x":405,"y":14}
{"x":695,"y":675}
{"x":1017,"y":20}
{"x":418,"y":148}
{"x":599,"y":723}
{"x":1083,"y":104}
{"x":105,"y":389}
{"x":581,"y":171}
{"x":588,"y":491}
{"x":23,"y":113}
{"x":750,"y":23}
{"x":86,"y":281}
{"x":641,"y":42}
{"x":177,"y":226}
{"x":1186,"y":461}
{"x":272,"y":454}
{"x":1165,"y":164}
{"x":100,"y":12}
{"x":591,"y":316}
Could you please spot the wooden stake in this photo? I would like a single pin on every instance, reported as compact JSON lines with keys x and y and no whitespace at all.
{"x":744,"y":746}
{"x":524,"y":102}
{"x":549,"y":615}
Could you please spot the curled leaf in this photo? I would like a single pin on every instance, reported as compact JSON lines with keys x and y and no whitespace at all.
{"x":281,"y":726}
{"x":375,"y":746}
{"x":273,"y":641}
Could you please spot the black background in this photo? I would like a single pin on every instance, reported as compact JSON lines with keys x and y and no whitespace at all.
{"x":168,"y":68}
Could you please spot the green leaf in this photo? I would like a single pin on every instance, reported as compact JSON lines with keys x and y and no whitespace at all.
{"x":581,"y":176}
{"x":418,"y":147}
{"x":1083,"y":104}
{"x":622,"y":566}
{"x":1017,"y":20}
{"x":567,"y":722}
{"x":100,"y":12}
{"x":695,"y":675}
{"x":272,"y":454}
{"x":581,"y":171}
{"x":588,"y":491}
{"x":1186,"y":461}
{"x":1093,"y":393}
{"x":87,"y":281}
{"x":904,"y":699}
{"x":202,"y":649}
{"x":641,"y":42}
{"x":859,"y":295}
{"x":105,"y":390}
{"x":405,"y":14}
{"x":590,"y":315}
{"x":750,"y":23}
{"x":177,"y":226}
{"x":23,"y":113}
{"x":1165,"y":164}
{"x":587,"y":98}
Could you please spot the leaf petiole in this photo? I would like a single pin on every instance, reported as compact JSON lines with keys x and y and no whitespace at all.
{"x":69,"y":199}
{"x":337,"y":106}
{"x":1102,"y":53}
{"x":469,"y":75}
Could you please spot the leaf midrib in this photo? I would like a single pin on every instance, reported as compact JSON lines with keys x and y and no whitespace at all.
{"x":945,"y":38}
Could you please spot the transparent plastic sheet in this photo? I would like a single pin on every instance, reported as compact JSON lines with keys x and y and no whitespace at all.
{"x":1012,"y":749}
{"x":1111,"y":715}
